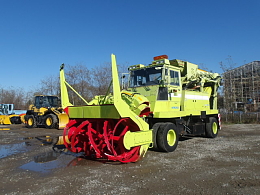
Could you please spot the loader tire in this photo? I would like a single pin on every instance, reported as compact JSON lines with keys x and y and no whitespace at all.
{"x":167,"y":137}
{"x":30,"y":122}
{"x":212,"y":128}
{"x":51,"y":121}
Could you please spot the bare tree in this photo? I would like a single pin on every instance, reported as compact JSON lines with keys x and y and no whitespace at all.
{"x":102,"y":77}
{"x":229,"y":65}
{"x":228,"y":84}
{"x":87,"y":83}
{"x":79,"y":78}
{"x":14,"y":96}
{"x":50,"y":86}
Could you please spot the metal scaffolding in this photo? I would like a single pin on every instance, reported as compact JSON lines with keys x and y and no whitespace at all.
{"x":242,"y":88}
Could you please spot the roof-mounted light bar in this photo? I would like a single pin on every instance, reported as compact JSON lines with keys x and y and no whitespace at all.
{"x":160,"y":57}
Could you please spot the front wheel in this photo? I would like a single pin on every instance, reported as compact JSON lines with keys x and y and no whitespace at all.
{"x":167,"y":137}
{"x":51,"y":121}
{"x":155,"y":128}
{"x":30,"y":122}
{"x":212,"y":128}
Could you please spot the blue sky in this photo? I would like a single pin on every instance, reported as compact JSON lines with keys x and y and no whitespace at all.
{"x":36,"y":36}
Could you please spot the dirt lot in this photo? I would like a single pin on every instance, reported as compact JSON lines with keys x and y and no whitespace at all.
{"x":229,"y":164}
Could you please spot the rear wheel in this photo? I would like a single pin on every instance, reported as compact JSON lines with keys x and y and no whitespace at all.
{"x":212,"y":128}
{"x":51,"y":121}
{"x":30,"y":122}
{"x":167,"y":137}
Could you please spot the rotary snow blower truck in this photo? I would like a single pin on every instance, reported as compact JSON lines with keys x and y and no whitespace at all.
{"x":164,"y":100}
{"x":46,"y":112}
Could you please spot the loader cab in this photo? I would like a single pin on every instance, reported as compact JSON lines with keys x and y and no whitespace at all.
{"x":46,"y":101}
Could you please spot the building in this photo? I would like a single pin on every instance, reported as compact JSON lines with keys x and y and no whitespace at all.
{"x":242,"y":88}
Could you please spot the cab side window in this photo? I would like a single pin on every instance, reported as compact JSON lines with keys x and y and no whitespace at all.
{"x":174,"y":78}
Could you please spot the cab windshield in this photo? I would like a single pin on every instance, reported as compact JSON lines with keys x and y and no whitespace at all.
{"x":46,"y":101}
{"x":147,"y":76}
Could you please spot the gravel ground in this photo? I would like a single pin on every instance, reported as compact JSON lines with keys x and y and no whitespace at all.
{"x":229,"y":164}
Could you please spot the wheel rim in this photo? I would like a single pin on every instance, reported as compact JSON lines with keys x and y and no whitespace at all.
{"x":30,"y":121}
{"x":214,"y":128}
{"x":171,"y":137}
{"x":49,"y":121}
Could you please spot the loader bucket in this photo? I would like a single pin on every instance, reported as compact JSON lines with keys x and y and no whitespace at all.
{"x":106,"y":131}
{"x":63,"y":120}
{"x":10,"y":119}
{"x":5,"y":120}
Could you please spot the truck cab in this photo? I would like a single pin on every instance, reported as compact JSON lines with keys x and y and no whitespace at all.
{"x":173,"y":87}
{"x":6,"y":109}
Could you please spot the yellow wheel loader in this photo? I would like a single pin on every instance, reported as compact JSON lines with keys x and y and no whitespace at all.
{"x":46,"y":112}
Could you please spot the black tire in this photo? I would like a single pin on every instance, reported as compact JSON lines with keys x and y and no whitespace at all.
{"x":30,"y":121}
{"x":155,"y":128}
{"x":51,"y":121}
{"x":167,"y":137}
{"x":212,"y":128}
